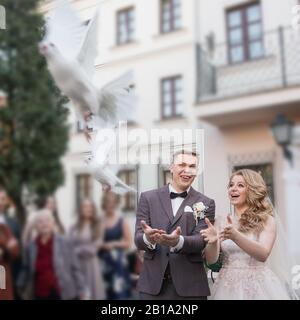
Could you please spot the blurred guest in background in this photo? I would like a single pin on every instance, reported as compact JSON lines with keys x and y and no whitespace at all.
{"x":117,"y":238}
{"x":15,"y":231}
{"x":52,"y":206}
{"x":11,"y":222}
{"x":136,"y":268}
{"x":9,"y":250}
{"x":87,"y":238}
{"x":29,"y":232}
{"x":50,"y":267}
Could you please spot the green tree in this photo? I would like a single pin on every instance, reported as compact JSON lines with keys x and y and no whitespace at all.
{"x":33,"y":126}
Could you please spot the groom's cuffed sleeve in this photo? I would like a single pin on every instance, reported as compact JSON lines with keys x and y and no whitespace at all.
{"x":150,"y":245}
{"x":178,"y":246}
{"x":195,"y":243}
{"x":143,"y":213}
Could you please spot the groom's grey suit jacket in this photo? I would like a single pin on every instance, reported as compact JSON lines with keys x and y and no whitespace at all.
{"x":186,"y":266}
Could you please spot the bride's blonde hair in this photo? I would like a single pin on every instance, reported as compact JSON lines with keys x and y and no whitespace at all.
{"x":259,"y":205}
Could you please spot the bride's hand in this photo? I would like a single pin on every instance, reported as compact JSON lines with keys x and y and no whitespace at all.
{"x":229,"y":232}
{"x":210,"y":234}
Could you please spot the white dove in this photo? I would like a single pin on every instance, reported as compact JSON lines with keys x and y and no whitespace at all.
{"x":70,"y":48}
{"x":99,"y":163}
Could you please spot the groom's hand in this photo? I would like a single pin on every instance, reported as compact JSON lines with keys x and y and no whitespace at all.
{"x":170,"y":240}
{"x":152,"y":235}
{"x":210,"y":234}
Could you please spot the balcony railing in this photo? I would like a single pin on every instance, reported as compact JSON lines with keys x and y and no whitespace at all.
{"x":277,"y":67}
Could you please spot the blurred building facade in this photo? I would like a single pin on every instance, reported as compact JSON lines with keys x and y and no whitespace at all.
{"x":225,"y":66}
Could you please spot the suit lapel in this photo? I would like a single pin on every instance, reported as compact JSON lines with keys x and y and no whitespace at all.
{"x":164,"y":196}
{"x":188,"y":201}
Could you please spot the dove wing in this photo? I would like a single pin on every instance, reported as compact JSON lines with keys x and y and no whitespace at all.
{"x":89,"y":49}
{"x":117,"y":100}
{"x":65,"y":29}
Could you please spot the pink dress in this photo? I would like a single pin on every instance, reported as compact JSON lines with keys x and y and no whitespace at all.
{"x":244,"y":278}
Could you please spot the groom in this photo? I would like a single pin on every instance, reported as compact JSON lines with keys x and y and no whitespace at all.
{"x":167,"y":229}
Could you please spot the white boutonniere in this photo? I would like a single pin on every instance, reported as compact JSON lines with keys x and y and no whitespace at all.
{"x":199,"y":210}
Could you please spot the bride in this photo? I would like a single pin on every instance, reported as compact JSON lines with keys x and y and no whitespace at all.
{"x":246,"y":243}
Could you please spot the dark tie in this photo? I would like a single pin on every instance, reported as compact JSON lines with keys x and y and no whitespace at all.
{"x":174,"y":195}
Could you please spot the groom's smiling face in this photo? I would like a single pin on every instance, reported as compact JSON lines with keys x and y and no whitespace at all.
{"x":184,"y":170}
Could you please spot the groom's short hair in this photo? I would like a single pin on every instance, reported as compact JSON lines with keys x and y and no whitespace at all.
{"x":184,"y":151}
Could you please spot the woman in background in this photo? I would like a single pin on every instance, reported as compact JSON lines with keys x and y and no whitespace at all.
{"x":52,"y":206}
{"x":50,"y":268}
{"x":87,"y":238}
{"x":9,"y":250}
{"x":117,"y":239}
{"x":30,"y":233}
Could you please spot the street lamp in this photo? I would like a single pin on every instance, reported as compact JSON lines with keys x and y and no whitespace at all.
{"x":282,"y":129}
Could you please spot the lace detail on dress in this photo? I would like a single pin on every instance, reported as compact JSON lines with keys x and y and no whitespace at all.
{"x":243,"y":277}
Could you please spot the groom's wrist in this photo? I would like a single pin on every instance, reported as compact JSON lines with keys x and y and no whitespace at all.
{"x":149,"y":244}
{"x":178,"y":246}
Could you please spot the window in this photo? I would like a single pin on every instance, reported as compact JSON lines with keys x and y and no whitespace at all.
{"x":125,"y":26}
{"x":266,"y":170}
{"x":164,"y":175}
{"x":170,"y":15}
{"x":172,"y":96}
{"x":167,"y":177}
{"x":245,"y":34}
{"x":81,"y":126}
{"x":128,"y":200}
{"x":84,"y":188}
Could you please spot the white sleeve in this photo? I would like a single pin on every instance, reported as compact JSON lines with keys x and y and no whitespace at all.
{"x":150,"y":245}
{"x":179,"y":245}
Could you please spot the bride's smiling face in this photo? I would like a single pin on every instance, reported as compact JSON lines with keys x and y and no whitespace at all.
{"x":237,"y":191}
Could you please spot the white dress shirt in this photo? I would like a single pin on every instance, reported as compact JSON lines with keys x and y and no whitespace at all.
{"x":176,"y":203}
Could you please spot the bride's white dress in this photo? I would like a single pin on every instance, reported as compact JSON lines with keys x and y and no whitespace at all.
{"x":244,"y":278}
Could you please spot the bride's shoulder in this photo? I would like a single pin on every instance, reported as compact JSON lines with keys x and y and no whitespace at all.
{"x":270,"y":224}
{"x":270,"y":218}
